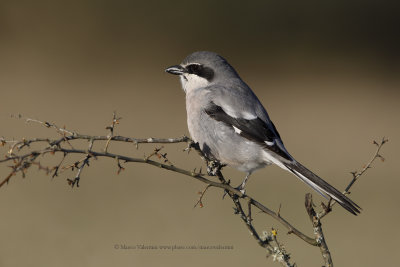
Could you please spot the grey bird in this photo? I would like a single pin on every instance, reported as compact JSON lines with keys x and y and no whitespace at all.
{"x":230,"y":124}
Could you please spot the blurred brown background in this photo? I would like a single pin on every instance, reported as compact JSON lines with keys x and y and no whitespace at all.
{"x":328,"y":73}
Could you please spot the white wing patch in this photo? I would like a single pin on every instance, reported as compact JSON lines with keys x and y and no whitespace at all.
{"x":238,"y":131}
{"x":231,"y":111}
{"x":270,"y":143}
{"x":248,"y":116}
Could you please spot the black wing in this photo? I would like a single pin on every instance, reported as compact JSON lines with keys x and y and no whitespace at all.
{"x":255,"y":130}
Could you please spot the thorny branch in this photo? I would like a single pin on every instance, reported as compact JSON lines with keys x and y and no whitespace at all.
{"x":268,"y":240}
{"x":327,"y":208}
{"x":111,"y":128}
{"x":317,"y":226}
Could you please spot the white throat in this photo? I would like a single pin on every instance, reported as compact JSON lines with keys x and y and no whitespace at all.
{"x":192,"y":82}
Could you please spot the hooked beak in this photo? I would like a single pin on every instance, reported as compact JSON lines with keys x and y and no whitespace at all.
{"x":176,"y":70}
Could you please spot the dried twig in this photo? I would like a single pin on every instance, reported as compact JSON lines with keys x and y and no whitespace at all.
{"x":277,"y":253}
{"x":319,"y":234}
{"x":23,"y":158}
{"x":224,"y":185}
{"x":199,"y":202}
{"x":327,"y":208}
{"x":111,"y":128}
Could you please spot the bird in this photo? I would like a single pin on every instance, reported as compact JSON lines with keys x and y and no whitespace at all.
{"x":229,"y":123}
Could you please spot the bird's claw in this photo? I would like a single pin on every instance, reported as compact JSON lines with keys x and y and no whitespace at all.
{"x":239,"y":188}
{"x":225,"y":193}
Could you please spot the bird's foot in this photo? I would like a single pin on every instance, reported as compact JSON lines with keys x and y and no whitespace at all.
{"x":240,"y":188}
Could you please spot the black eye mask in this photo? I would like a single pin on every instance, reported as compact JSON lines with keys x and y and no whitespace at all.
{"x":201,"y":71}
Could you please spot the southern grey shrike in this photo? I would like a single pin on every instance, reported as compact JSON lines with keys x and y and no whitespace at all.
{"x":231,"y":125}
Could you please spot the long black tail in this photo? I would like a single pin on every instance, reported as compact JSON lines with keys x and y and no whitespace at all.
{"x":321,"y":186}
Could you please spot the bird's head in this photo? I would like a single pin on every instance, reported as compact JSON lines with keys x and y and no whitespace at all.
{"x":200,"y":69}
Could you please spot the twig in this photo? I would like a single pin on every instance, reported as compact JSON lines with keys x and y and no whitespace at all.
{"x":196,"y":176}
{"x":111,"y":128}
{"x":319,"y":234}
{"x":50,"y":125}
{"x":57,"y":168}
{"x":357,"y":175}
{"x":156,"y":152}
{"x":120,"y":168}
{"x":199,"y":202}
{"x":75,"y":181}
{"x":22,"y":162}
{"x":276,"y":252}
{"x":327,"y":208}
{"x":77,"y":136}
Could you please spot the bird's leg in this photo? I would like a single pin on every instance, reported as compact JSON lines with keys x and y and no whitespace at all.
{"x":242,"y":186}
